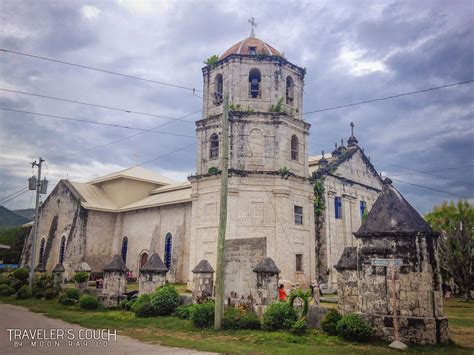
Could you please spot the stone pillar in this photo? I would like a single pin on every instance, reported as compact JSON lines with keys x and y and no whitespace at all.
{"x":58,"y":276}
{"x":115,"y":283}
{"x":152,"y":275}
{"x":266,"y":291}
{"x":82,"y":286}
{"x":203,"y":279}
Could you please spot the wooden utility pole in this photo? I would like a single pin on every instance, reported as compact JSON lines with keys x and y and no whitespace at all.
{"x":219,"y":308}
{"x":35,"y":225}
{"x":394,"y":301}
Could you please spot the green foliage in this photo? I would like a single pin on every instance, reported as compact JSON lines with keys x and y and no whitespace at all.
{"x":6,"y":290}
{"x":127,"y":305}
{"x":145,"y":298}
{"x":329,"y":322}
{"x":213,"y":170}
{"x":299,"y":327}
{"x":4,"y":279}
{"x":202,"y":315}
{"x":165,"y":300}
{"x":15,"y":238}
{"x":42,"y":282}
{"x":284,"y":172}
{"x":183,"y":312}
{"x":236,"y":319}
{"x":23,"y":293}
{"x":21,"y":274}
{"x":17,"y":284}
{"x":235,"y":107}
{"x":72,"y":293}
{"x":278,"y":108}
{"x":145,"y":309}
{"x":212,"y":60}
{"x":50,"y":293}
{"x":81,"y":276}
{"x":66,"y":301}
{"x":88,"y":302}
{"x":279,"y":315}
{"x":304,"y":296}
{"x":456,"y":245}
{"x":353,"y":327}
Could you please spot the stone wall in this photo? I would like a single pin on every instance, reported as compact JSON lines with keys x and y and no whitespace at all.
{"x":347,"y":292}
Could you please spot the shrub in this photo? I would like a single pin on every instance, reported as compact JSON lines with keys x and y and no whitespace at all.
{"x":21,"y":274}
{"x":353,"y":327}
{"x":4,"y":279}
{"x":142,"y":299}
{"x":66,"y":301}
{"x":17,"y":284}
{"x":42,"y":282}
{"x":37,"y":292}
{"x":127,"y":305}
{"x":329,"y":322}
{"x":145,"y":310}
{"x":72,"y":293}
{"x":234,"y":319}
{"x":183,"y":312}
{"x":88,"y":302}
{"x":202,"y":315}
{"x":50,"y":293}
{"x":81,"y":276}
{"x":6,"y":290}
{"x":23,"y":293}
{"x":165,"y":300}
{"x":299,"y":327}
{"x":279,"y":315}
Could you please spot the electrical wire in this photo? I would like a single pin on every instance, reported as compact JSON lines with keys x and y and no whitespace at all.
{"x":100,"y":70}
{"x":430,"y":188}
{"x":13,"y":193}
{"x":93,"y":122}
{"x":387,"y":97}
{"x":14,"y":197}
{"x":92,"y":105}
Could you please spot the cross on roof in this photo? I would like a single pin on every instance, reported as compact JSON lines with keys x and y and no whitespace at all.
{"x":253,"y":24}
{"x":352,"y":128}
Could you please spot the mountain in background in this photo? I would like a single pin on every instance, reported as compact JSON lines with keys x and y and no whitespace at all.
{"x":10,"y":219}
{"x":28,"y":213}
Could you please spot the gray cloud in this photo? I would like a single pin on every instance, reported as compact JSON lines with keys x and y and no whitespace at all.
{"x":353,"y":51}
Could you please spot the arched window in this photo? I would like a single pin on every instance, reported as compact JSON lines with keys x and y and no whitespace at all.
{"x":214,"y":146}
{"x":255,"y":77}
{"x":290,"y":85}
{"x":124,"y":249}
{"x":219,"y":89}
{"x":41,"y":251}
{"x":294,"y":148}
{"x":62,"y":249}
{"x":143,"y":259}
{"x":168,"y":249}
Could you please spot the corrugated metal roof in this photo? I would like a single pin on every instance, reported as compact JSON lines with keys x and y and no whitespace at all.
{"x":135,"y":173}
{"x":93,"y":197}
{"x":169,"y":197}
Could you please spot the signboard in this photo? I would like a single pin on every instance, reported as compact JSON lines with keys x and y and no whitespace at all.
{"x":386,"y":262}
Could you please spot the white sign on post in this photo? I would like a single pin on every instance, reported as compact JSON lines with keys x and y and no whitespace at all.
{"x":386,"y":262}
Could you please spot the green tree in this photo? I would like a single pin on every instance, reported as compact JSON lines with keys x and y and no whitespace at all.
{"x":15,"y":238}
{"x":456,"y":247}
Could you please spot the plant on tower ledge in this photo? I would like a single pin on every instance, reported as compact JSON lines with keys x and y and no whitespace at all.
{"x":212,"y":60}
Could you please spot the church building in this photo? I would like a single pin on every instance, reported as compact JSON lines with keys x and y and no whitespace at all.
{"x":301,"y":211}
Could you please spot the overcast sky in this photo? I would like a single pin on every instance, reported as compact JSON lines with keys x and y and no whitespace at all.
{"x":353,"y":51}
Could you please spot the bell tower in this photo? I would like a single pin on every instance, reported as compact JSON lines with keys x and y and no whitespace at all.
{"x":268,"y":162}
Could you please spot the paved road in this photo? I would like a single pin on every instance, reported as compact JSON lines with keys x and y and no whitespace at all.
{"x":73,"y":337}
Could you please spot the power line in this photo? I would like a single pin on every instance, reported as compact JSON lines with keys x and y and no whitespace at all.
{"x":388,"y":97}
{"x":100,"y":70}
{"x":14,"y":197}
{"x":94,"y":122}
{"x":14,"y":193}
{"x":430,"y":188}
{"x":429,"y":171}
{"x":118,"y":140}
{"x":92,"y":104}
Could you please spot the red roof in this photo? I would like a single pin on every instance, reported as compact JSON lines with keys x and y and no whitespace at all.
{"x":243,"y":47}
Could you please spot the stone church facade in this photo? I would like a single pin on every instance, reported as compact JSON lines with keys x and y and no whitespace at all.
{"x":135,"y":213}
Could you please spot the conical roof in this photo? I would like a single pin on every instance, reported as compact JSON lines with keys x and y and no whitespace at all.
{"x":203,"y":267}
{"x":58,"y":268}
{"x":40,"y":267}
{"x":154,"y":264}
{"x":244,"y":48}
{"x":83,"y":267}
{"x":116,"y":264}
{"x":267,"y":265}
{"x":391,"y":214}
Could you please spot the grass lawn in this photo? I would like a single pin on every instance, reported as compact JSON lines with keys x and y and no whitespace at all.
{"x":172,"y":331}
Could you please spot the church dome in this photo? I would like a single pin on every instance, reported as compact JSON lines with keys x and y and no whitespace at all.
{"x":251,"y":46}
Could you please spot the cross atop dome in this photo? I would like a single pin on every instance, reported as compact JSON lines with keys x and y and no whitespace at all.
{"x":253,"y":24}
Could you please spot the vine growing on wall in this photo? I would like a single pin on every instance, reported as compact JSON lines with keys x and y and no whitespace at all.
{"x":319,"y":208}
